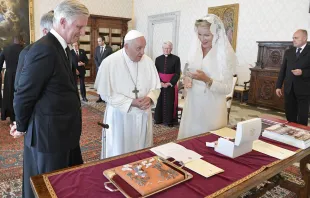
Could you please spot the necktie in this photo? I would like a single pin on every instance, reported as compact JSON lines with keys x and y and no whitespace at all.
{"x":101,"y":50}
{"x":69,"y":57}
{"x":298,"y":52}
{"x":77,"y":53}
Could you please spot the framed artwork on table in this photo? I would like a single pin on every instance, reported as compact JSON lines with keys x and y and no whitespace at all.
{"x":229,"y":15}
{"x":16,"y":18}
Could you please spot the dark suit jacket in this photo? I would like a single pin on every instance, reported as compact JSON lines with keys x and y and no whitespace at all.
{"x":46,"y":103}
{"x":98,"y":59}
{"x":301,"y":84}
{"x":21,"y":64}
{"x":75,"y":59}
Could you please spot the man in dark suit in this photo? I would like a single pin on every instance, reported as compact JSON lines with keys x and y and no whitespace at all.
{"x":295,"y":73}
{"x":46,"y":103}
{"x":79,"y":61}
{"x":10,"y":56}
{"x":102,"y":51}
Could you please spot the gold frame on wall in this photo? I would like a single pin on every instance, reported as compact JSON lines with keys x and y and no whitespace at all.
{"x":31,"y":21}
{"x":229,"y":15}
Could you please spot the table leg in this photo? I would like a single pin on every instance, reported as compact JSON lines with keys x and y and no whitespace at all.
{"x":305,"y":172}
{"x":241,"y":99}
{"x":301,"y":191}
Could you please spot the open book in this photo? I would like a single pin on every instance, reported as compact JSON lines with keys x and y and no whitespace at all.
{"x":293,"y":136}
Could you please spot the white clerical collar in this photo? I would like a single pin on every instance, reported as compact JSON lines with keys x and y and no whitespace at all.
{"x":60,"y":39}
{"x":127,"y":59}
{"x":302,"y":48}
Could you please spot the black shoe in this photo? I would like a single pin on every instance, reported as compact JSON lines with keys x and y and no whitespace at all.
{"x":170,"y":125}
{"x":85,"y":100}
{"x":99,"y":100}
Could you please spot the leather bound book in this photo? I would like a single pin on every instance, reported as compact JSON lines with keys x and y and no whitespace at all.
{"x":149,"y":175}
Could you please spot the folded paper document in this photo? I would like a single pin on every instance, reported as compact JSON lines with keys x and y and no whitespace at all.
{"x":203,"y":168}
{"x":271,"y":150}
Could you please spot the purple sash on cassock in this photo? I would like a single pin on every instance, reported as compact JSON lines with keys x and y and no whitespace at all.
{"x":166,"y":78}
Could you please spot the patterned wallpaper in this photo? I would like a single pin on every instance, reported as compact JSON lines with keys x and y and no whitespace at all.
{"x":259,"y":20}
{"x":117,"y":8}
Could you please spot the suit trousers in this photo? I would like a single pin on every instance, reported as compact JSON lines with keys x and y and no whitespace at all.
{"x":296,"y":107}
{"x":82,"y":86}
{"x":36,"y":163}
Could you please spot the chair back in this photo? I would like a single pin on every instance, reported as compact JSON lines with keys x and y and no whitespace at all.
{"x":230,"y":96}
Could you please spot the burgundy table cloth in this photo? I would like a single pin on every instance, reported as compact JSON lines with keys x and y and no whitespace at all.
{"x":88,"y":180}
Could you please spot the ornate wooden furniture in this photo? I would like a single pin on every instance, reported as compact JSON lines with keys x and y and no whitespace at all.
{"x":112,"y":28}
{"x":265,"y":74}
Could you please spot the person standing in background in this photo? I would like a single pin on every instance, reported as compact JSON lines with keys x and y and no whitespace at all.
{"x":10,"y":55}
{"x":102,"y":51}
{"x":295,"y":75}
{"x":79,"y":61}
{"x":168,"y":67}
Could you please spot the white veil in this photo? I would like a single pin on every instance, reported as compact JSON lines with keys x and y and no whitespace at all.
{"x":225,"y":56}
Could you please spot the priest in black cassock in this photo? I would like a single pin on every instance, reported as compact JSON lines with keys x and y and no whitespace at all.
{"x":168,"y":67}
{"x":10,"y":56}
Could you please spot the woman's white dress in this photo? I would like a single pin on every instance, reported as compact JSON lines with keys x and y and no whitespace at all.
{"x":205,"y":108}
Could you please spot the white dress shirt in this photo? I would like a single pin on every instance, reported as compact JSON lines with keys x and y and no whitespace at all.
{"x":60,"y":39}
{"x":302,"y":48}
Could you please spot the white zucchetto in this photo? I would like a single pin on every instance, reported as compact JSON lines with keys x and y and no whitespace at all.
{"x":133,"y":34}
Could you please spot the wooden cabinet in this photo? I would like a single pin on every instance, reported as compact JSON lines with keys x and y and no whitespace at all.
{"x":112,"y":28}
{"x":263,"y":89}
{"x":265,"y":74}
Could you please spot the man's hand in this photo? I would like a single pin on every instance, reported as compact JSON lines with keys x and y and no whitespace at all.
{"x":163,"y":85}
{"x":80,"y":63}
{"x":297,"y":72}
{"x":14,"y":132}
{"x":279,"y":92}
{"x":77,"y":72}
{"x":145,"y":103}
{"x":142,"y":103}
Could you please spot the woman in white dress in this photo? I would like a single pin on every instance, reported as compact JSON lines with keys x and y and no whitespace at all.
{"x":208,"y":78}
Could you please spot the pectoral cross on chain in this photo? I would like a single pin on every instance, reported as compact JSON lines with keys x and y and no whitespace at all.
{"x":136,"y":91}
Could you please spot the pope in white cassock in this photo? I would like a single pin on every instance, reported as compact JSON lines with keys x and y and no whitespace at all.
{"x":128,"y":81}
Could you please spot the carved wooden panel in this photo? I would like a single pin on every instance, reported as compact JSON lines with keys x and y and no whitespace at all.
{"x":266,"y":90}
{"x":264,"y":76}
{"x":263,"y":88}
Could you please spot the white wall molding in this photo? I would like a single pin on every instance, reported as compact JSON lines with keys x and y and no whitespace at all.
{"x":174,"y":19}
